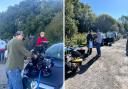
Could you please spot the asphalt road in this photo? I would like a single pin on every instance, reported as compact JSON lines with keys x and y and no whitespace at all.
{"x":110,"y":71}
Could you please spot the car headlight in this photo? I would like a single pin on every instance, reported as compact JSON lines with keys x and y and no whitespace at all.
{"x":34,"y":85}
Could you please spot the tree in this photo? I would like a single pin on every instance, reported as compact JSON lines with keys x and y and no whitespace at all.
{"x":30,"y":16}
{"x":105,"y":22}
{"x":86,"y":18}
{"x":79,"y":18}
{"x":115,"y":27}
{"x":70,"y":22}
{"x":121,"y":28}
{"x":124,"y":21}
{"x":54,"y":31}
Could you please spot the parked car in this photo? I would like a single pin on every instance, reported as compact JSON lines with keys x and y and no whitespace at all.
{"x":109,"y":38}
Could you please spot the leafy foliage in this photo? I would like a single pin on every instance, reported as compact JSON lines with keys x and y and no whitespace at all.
{"x":70,"y":22}
{"x":105,"y":22}
{"x":80,"y":19}
{"x":124,"y":21}
{"x":77,"y":39}
{"x":32,"y":17}
{"x":55,"y":29}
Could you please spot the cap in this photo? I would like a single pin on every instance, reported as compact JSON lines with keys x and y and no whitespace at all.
{"x":19,"y":33}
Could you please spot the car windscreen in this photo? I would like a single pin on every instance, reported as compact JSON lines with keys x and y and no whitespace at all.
{"x":55,"y":51}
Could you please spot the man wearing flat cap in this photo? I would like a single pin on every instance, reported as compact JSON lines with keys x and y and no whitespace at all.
{"x":15,"y":60}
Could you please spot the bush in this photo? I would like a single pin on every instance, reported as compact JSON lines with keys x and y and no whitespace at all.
{"x":76,"y":40}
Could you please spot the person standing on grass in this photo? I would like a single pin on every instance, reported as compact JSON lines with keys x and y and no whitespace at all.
{"x":15,"y":60}
{"x":98,"y":42}
{"x":89,"y":42}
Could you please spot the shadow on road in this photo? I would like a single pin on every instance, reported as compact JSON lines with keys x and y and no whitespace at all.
{"x":85,"y":67}
{"x":70,"y":75}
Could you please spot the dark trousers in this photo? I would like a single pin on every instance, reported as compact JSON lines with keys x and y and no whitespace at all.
{"x":89,"y":52}
{"x":98,"y":45}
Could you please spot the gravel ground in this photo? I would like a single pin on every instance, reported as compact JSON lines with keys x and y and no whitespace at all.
{"x":3,"y":79}
{"x":110,"y":71}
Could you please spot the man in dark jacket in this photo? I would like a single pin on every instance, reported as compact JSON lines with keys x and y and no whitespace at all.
{"x":89,"y":42}
{"x":15,"y":60}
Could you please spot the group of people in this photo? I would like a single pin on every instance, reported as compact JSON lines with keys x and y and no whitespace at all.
{"x":16,"y":55}
{"x":94,"y":41}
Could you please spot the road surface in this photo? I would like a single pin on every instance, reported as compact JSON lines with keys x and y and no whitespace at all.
{"x":110,"y":71}
{"x":3,"y":79}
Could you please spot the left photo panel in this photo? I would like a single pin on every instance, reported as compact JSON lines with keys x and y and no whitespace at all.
{"x":31,"y":44}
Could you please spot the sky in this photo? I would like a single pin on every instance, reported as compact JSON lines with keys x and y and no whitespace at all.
{"x":114,"y":8}
{"x":4,"y":4}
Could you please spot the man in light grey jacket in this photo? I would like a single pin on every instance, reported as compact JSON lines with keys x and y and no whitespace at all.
{"x":98,"y":42}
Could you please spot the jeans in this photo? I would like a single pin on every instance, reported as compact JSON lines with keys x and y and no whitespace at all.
{"x":1,"y":55}
{"x":14,"y":79}
{"x":98,"y":45}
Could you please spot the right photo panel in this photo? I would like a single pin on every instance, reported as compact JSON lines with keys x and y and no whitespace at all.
{"x":96,"y":44}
